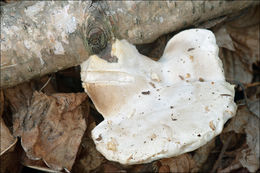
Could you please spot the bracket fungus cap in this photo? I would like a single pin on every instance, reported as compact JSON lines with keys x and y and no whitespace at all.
{"x":159,"y":109}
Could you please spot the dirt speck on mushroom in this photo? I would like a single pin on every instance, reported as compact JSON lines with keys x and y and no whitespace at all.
{"x":181,"y":77}
{"x":146,"y":92}
{"x":112,"y":145}
{"x":211,"y":125}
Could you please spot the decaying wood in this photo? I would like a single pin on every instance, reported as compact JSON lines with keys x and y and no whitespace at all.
{"x":43,"y":37}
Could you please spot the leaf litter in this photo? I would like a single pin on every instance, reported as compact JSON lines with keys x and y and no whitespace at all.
{"x":239,"y":42}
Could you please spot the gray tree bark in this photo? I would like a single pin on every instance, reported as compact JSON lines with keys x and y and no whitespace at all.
{"x":42,"y":37}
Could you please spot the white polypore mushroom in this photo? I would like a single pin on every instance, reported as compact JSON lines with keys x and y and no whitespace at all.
{"x":158,"y":109}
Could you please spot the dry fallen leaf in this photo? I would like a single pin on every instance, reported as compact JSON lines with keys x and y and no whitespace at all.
{"x":254,"y":107}
{"x":238,"y":123}
{"x":1,"y":102}
{"x":247,"y":123}
{"x":36,"y":164}
{"x":254,"y":98}
{"x":140,"y":168}
{"x":19,"y":96}
{"x":6,"y":138}
{"x":112,"y":168}
{"x":201,"y":155}
{"x":182,"y":163}
{"x":52,"y":128}
{"x":251,"y":156}
{"x":10,"y":160}
{"x":164,"y":168}
{"x":239,"y":39}
{"x":9,"y":155}
{"x":89,"y":158}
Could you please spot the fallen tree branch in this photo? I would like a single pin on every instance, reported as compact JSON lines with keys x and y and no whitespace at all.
{"x":42,"y":37}
{"x":223,"y":150}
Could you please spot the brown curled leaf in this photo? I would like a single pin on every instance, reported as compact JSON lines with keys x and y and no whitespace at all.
{"x":89,"y":158}
{"x":238,"y":40}
{"x":6,"y":138}
{"x":182,"y":163}
{"x":36,"y":164}
{"x":52,"y":128}
{"x":246,"y":123}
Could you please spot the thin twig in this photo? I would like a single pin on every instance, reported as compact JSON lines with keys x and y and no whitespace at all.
{"x":46,"y":83}
{"x":231,"y":168}
{"x":223,"y":150}
{"x":252,"y":84}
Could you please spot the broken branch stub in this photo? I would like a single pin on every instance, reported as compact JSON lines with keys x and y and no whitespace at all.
{"x":43,"y":37}
{"x":159,"y":109}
